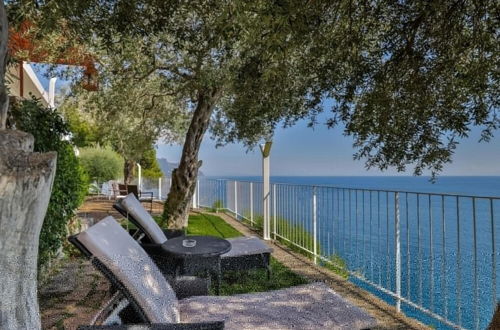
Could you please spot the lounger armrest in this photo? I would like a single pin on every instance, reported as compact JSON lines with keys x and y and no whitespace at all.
{"x":218,"y":325}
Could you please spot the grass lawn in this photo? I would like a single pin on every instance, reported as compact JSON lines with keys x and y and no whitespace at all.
{"x":206,"y":224}
{"x":244,"y":281}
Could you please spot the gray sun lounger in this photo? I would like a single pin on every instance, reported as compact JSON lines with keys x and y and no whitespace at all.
{"x":246,"y":252}
{"x":122,"y":259}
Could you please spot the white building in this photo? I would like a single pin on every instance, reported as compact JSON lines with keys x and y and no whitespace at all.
{"x":24,"y":83}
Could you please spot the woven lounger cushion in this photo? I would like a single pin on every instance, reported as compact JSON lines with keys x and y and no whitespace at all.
{"x":244,"y":246}
{"x":126,"y":259}
{"x":310,"y":306}
{"x":134,"y":207}
{"x":240,"y":246}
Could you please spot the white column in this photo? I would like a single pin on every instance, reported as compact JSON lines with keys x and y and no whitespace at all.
{"x":274,"y":211}
{"x":315,"y":227}
{"x":139,"y":183}
{"x":194,"y":199}
{"x":198,"y":193}
{"x":266,"y":150}
{"x":159,"y":188}
{"x":52,"y":93}
{"x":236,"y":199}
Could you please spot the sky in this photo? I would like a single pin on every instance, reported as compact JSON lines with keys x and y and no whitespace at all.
{"x":319,"y":151}
{"x":303,"y":151}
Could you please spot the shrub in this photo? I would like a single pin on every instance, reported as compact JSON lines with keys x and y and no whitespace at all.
{"x":101,"y":164}
{"x":70,"y":182}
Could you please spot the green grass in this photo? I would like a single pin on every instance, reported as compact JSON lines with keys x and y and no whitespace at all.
{"x":206,"y":224}
{"x":244,"y":281}
{"x":241,"y":281}
{"x":256,"y":280}
{"x":335,"y":264}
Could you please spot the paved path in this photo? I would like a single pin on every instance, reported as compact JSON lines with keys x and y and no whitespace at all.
{"x":98,"y":208}
{"x":386,"y":314}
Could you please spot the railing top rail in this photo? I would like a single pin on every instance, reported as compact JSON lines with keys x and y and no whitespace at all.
{"x":366,"y":189}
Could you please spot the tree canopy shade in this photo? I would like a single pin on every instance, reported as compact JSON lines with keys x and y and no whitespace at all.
{"x":130,"y":112}
{"x":407,"y":78}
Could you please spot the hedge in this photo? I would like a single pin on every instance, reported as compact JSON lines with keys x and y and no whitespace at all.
{"x":51,"y":133}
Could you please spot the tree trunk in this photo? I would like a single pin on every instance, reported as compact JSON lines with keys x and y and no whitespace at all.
{"x":128,"y":170}
{"x":25,"y":184}
{"x":184,"y":177}
{"x":4,"y":39}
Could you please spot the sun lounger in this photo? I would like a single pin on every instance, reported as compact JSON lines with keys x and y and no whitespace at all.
{"x":127,"y":265}
{"x":246,"y":252}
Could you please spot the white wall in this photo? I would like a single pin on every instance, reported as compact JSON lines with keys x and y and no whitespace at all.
{"x":31,"y":84}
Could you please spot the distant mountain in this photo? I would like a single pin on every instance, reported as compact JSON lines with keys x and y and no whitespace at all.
{"x":167,"y":167}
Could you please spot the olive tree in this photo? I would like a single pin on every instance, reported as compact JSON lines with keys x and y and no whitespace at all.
{"x":407,"y":78}
{"x":128,"y":112}
{"x":207,"y":52}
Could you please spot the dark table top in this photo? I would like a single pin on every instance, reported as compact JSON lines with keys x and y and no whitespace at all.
{"x":206,"y":246}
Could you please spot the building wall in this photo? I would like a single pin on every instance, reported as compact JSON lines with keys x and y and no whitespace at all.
{"x":30,"y":83}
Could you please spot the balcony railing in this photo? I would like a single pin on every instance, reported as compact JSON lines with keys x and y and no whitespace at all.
{"x":434,"y":256}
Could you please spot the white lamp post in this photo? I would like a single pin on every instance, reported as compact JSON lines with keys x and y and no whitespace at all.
{"x":266,"y":150}
{"x":139,"y":183}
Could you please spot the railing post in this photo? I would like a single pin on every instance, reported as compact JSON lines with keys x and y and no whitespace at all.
{"x":159,"y":188}
{"x":274,"y":211}
{"x":315,"y":227}
{"x":251,"y":203}
{"x":398,"y":252}
{"x":236,"y":199}
{"x":194,"y":199}
{"x":139,"y":174}
{"x":198,"y":193}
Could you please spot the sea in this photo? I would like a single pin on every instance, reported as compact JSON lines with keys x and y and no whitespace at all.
{"x":458,"y":284}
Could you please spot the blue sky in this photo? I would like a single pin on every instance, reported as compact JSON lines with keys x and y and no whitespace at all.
{"x":303,"y":151}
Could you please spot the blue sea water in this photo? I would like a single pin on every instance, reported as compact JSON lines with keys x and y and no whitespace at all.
{"x":463,"y":185}
{"x":432,"y":229}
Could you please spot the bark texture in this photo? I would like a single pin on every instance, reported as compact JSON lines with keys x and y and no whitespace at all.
{"x":128,"y":170}
{"x":4,"y":39}
{"x":184,"y":177}
{"x":25,"y":184}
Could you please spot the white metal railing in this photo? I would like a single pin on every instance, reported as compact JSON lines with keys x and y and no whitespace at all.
{"x":433,"y":256}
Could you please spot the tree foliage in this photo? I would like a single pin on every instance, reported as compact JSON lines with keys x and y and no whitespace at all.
{"x":128,"y":112}
{"x":84,"y":131}
{"x":407,"y":78}
{"x":70,"y":182}
{"x":101,"y":164}
{"x":150,"y":166}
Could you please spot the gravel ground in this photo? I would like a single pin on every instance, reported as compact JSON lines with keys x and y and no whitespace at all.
{"x":72,"y":296}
